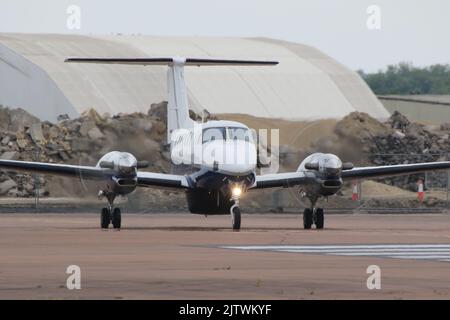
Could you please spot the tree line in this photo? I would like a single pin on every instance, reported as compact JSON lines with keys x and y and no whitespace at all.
{"x":404,"y":78}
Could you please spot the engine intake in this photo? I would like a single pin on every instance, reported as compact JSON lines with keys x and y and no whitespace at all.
{"x":126,"y":182}
{"x":334,"y":183}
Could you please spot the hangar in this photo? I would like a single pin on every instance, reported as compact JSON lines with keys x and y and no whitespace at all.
{"x":306,"y":85}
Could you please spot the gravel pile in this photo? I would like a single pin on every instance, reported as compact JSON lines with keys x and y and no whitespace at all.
{"x":77,"y":141}
{"x":397,"y":141}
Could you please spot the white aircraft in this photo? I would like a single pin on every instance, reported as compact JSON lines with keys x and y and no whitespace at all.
{"x":200,"y":154}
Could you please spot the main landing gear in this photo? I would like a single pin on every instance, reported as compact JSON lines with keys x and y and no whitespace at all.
{"x":313,"y":216}
{"x":113,"y":217}
{"x":110,"y":215}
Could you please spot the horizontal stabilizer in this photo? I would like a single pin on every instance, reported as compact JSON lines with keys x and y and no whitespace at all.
{"x":176,"y":60}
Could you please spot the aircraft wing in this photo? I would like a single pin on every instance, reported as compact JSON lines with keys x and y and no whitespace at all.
{"x":152,"y":179}
{"x":55,"y":169}
{"x":394,"y":170}
{"x":288,"y":179}
{"x":145,"y":179}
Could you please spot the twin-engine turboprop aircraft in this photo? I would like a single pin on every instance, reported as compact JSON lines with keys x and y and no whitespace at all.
{"x":214,"y":162}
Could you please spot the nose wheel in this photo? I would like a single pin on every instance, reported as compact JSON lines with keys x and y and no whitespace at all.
{"x":235,"y":213}
{"x":313,"y":216}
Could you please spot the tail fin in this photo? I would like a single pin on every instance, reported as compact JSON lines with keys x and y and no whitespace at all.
{"x":177,"y":108}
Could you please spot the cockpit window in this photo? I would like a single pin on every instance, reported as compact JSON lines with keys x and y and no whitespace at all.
{"x":230,"y":133}
{"x":211,"y":134}
{"x":239,"y":134}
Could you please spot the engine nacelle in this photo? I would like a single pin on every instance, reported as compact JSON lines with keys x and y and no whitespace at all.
{"x":123,"y":167}
{"x":327,"y":169}
{"x":123,"y":163}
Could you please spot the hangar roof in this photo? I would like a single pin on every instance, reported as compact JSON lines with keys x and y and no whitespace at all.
{"x":307,"y":84}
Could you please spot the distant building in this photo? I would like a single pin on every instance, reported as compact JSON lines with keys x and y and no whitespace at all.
{"x":428,"y":109}
{"x":307,"y":84}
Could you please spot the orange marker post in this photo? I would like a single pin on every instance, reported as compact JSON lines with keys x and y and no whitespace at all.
{"x":420,"y":192}
{"x":355,"y":195}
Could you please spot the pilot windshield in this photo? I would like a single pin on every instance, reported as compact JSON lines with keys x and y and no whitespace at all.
{"x":233,"y":133}
{"x":239,"y":134}
{"x":211,"y":134}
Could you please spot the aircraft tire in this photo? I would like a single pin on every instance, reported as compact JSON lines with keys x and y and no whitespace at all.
{"x":319,"y":218}
{"x":105,"y":218}
{"x":236,"y":218}
{"x":116,"y":218}
{"x":307,"y":218}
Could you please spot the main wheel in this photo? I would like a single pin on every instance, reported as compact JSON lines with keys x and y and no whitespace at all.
{"x":105,"y":218}
{"x":116,"y":218}
{"x":307,"y":218}
{"x":236,"y":218}
{"x":319,"y":218}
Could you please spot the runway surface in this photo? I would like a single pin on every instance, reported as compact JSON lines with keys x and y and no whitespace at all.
{"x":183,"y":256}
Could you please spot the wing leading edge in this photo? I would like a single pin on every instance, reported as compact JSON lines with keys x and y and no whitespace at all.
{"x":144,"y":179}
{"x":285,"y":180}
{"x":55,"y":169}
{"x":290,"y":179}
{"x":394,"y":170}
{"x":152,"y":179}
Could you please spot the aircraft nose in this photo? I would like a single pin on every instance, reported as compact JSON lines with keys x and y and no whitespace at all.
{"x":236,"y":169}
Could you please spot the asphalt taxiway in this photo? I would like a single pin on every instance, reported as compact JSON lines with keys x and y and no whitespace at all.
{"x":184,"y":256}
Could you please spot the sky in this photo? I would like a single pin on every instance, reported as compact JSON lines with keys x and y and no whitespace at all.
{"x":361,"y":34}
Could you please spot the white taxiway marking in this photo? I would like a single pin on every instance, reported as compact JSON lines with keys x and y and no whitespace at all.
{"x":437,"y":252}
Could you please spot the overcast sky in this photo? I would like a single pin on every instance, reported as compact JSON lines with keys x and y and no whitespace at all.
{"x":416,"y":31}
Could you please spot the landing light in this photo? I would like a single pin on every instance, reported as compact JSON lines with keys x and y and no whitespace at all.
{"x":236,"y":191}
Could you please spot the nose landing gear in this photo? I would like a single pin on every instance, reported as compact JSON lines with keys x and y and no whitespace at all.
{"x":235,"y":213}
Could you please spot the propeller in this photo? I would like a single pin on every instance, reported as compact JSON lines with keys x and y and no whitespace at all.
{"x":312,"y":166}
{"x":347,"y":166}
{"x":107,"y":164}
{"x":110,"y":164}
{"x":142,"y":164}
{"x":315,"y":166}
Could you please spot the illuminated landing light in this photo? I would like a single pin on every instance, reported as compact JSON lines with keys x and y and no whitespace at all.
{"x":236,"y":191}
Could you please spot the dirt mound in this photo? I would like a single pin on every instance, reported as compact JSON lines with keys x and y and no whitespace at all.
{"x":15,"y":119}
{"x":79,"y":141}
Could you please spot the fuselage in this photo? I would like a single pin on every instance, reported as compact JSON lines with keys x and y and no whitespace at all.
{"x":217,"y":156}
